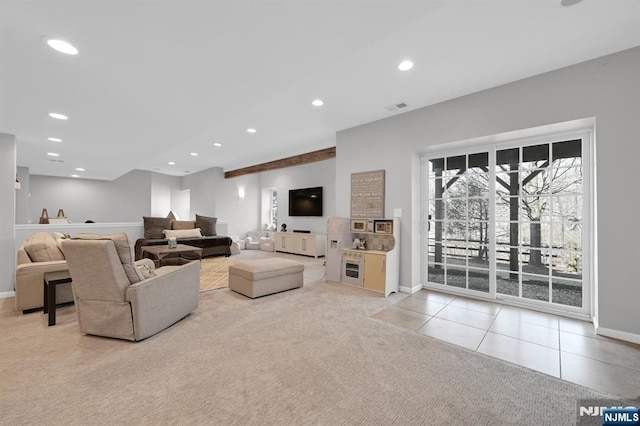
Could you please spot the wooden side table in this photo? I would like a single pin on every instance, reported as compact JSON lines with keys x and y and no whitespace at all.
{"x":51,"y":280}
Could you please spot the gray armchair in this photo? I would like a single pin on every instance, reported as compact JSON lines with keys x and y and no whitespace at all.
{"x":116,"y":297}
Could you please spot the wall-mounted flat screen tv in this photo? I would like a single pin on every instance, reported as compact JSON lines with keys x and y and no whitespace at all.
{"x":305,"y":202}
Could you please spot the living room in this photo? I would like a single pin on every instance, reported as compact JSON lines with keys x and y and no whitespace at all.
{"x":601,"y":94}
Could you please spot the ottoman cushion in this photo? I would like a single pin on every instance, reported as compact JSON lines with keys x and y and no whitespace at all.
{"x":265,"y":276}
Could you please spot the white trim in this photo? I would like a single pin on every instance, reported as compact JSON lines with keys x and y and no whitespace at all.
{"x":414,"y":289}
{"x":7,"y":294}
{"x":617,"y":334}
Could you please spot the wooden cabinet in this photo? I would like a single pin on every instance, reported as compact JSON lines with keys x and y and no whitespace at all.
{"x":298,"y":243}
{"x":375,"y":270}
{"x":284,"y":241}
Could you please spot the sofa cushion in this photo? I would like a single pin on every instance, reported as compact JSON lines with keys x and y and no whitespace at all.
{"x":121,"y":241}
{"x":42,"y":247}
{"x":183,"y":224}
{"x":207,"y":225}
{"x":182,"y":233}
{"x":153,"y":226}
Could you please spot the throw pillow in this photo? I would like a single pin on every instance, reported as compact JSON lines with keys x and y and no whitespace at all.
{"x":183,"y":233}
{"x":207,"y":224}
{"x":153,"y":226}
{"x":183,"y":224}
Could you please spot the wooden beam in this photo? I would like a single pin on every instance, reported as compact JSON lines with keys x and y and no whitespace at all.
{"x":296,"y":160}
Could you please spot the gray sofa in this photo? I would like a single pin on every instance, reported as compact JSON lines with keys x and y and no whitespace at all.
{"x":210,"y":243}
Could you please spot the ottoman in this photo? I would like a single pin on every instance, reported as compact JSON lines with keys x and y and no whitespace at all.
{"x":255,"y":278}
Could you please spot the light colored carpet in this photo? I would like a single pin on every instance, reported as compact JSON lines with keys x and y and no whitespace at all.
{"x":309,"y":356}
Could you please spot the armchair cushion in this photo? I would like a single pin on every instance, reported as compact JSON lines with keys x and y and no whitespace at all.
{"x":207,"y":225}
{"x":123,"y":248}
{"x":41,"y":247}
{"x":153,"y":226}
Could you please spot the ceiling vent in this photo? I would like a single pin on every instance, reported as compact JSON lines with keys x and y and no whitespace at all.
{"x":396,"y":106}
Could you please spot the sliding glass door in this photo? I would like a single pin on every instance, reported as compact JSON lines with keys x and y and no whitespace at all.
{"x":458,"y":221}
{"x":511,"y":221}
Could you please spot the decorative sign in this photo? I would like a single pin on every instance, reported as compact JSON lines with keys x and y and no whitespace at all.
{"x":367,"y":194}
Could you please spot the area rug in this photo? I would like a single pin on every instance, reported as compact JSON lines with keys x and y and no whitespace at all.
{"x":214,"y":272}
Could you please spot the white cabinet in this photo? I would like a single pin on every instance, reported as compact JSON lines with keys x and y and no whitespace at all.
{"x":299,"y":243}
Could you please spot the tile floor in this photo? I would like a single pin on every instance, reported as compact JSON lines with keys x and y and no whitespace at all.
{"x":561,"y":347}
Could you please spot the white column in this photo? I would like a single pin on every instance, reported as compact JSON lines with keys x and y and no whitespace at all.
{"x":7,"y":212}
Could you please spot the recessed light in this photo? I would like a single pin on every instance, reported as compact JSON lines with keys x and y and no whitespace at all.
{"x":195,"y":154}
{"x":61,"y":46}
{"x":171,"y":163}
{"x":405,"y":65}
{"x":80,"y":169}
{"x":569,"y":2}
{"x":251,"y":130}
{"x":54,"y":139}
{"x":317,"y":102}
{"x":58,"y":116}
{"x":75,"y":176}
{"x":217,"y":144}
{"x":53,"y":154}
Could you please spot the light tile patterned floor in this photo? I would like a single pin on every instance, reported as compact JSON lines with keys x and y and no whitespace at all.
{"x":558,"y":346}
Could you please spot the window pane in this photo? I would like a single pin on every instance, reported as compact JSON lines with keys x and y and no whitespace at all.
{"x":478,"y":256}
{"x":567,"y":208}
{"x":535,"y":156}
{"x":535,"y":287}
{"x":456,"y":277}
{"x":567,"y":236}
{"x":456,"y":231}
{"x":507,"y":283}
{"x":479,"y":161}
{"x":479,"y":280}
{"x":535,"y":208}
{"x":478,"y":185}
{"x":435,"y":273}
{"x":456,"y":165}
{"x":567,"y":292}
{"x":535,"y":234}
{"x":507,"y":159}
{"x":436,"y":167}
{"x":535,"y":182}
{"x":507,"y":208}
{"x":567,"y":152}
{"x":505,"y":182}
{"x":567,"y":264}
{"x":567,"y":180}
{"x":457,"y":186}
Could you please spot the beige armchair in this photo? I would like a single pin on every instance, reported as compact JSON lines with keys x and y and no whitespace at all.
{"x":114,"y":298}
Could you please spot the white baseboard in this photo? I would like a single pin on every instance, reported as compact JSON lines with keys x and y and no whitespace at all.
{"x":410,"y":290}
{"x":617,"y":334}
{"x":6,"y":294}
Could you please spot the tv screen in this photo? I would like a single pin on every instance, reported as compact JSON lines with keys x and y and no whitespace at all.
{"x":305,"y":202}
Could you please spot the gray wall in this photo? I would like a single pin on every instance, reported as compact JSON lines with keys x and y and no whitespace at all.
{"x":322,"y":173}
{"x":607,"y":89}
{"x":125,"y":199}
{"x":22,"y":195}
{"x":7,"y":210}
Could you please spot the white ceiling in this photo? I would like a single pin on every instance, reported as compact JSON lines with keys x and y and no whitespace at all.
{"x":158,"y":79}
